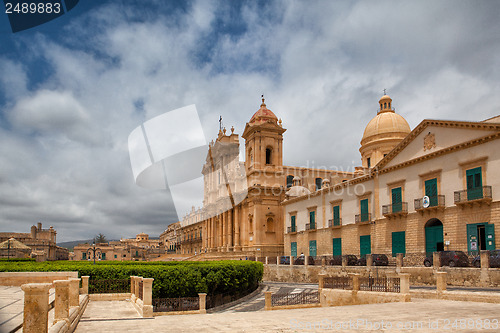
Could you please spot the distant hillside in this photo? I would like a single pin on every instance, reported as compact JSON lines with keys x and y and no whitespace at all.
{"x":72,"y":244}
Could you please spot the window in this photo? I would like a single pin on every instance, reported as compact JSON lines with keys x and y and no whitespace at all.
{"x":398,"y":243}
{"x":336,"y":215}
{"x":293,"y":249}
{"x":431,"y":191}
{"x":289,"y":181}
{"x":397,"y":205}
{"x":312,"y":220}
{"x":84,"y":256}
{"x":368,"y":162}
{"x":103,"y":256}
{"x":474,"y":184}
{"x":116,"y":256}
{"x":312,"y":248}
{"x":293,"y":225}
{"x":337,"y":246}
{"x":364,"y":210}
{"x":319,"y":183}
{"x":268,"y":156}
{"x":365,"y":246}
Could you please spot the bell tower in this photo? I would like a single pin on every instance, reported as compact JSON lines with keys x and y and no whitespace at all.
{"x":263,"y":217}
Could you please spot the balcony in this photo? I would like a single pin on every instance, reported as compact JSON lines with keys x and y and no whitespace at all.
{"x":395,"y":210}
{"x":436,"y":202}
{"x":477,"y":195}
{"x":291,"y":229}
{"x":363,"y":218}
{"x":311,"y":226}
{"x":334,"y":223}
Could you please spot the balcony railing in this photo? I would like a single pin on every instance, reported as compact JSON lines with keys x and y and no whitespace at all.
{"x":335,"y":222}
{"x":478,"y":194}
{"x":291,"y":229}
{"x":311,"y":226}
{"x":436,"y":201}
{"x":395,"y":209}
{"x":362,"y":218}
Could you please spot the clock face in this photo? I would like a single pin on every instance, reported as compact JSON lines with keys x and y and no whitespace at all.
{"x":425,"y":201}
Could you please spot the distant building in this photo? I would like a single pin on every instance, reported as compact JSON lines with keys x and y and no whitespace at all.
{"x":139,"y":248}
{"x":170,"y":239}
{"x":41,"y":241}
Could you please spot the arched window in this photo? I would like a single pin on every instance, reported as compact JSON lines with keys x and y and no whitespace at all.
{"x":289,"y":181}
{"x":385,"y":105}
{"x":268,"y":155}
{"x":319,"y":183}
{"x":270,"y":224}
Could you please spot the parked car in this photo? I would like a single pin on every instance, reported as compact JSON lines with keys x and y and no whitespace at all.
{"x":494,"y":259}
{"x":352,"y":260}
{"x":378,"y":260}
{"x":449,"y":258}
{"x":284,"y":260}
{"x":300,"y":260}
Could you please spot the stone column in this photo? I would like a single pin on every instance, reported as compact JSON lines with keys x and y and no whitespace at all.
{"x":267,"y":260}
{"x":132,"y":288}
{"x":306,"y":260}
{"x":404,"y":280}
{"x":355,"y":281}
{"x":237,"y":228}
{"x":436,"y":260}
{"x":220,"y":231}
{"x":224,"y":231}
{"x":278,"y":260}
{"x":61,"y":303}
{"x":268,"y":301}
{"x":147,"y":297}
{"x":399,"y":260}
{"x":485,"y":259}
{"x":203,"y":302}
{"x":321,"y":282}
{"x":369,"y":260}
{"x":36,"y":307}
{"x":230,"y":228}
{"x":74,"y":292}
{"x":440,"y":281}
{"x":291,"y":260}
{"x":344,"y":261}
{"x":85,"y":285}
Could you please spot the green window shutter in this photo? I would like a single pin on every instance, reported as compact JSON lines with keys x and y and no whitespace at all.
{"x":312,"y":248}
{"x":103,"y":256}
{"x":336,"y":215}
{"x":337,"y":246}
{"x":293,"y":249}
{"x":365,"y":245}
{"x":398,"y":243}
{"x":84,"y":256}
{"x":431,"y":191}
{"x":474,"y":184}
{"x":396,"y":200}
{"x":312,"y":220}
{"x":364,"y":210}
{"x":294,"y":227}
{"x":490,"y":237}
{"x":472,"y":238}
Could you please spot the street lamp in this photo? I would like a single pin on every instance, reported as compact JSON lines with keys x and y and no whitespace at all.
{"x":94,"y":250}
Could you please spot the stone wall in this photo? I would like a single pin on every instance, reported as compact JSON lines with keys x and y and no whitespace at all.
{"x":20,"y":278}
{"x":467,"y":277}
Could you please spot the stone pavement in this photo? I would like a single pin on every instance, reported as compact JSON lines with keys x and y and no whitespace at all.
{"x":416,"y":316}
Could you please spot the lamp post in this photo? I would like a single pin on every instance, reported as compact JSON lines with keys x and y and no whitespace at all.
{"x":94,"y":250}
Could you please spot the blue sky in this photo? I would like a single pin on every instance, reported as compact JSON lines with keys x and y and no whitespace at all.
{"x":72,"y":90}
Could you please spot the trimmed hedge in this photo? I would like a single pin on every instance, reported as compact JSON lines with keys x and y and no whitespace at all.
{"x":172,"y":279}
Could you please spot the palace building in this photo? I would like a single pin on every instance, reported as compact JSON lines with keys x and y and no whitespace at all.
{"x":436,"y":187}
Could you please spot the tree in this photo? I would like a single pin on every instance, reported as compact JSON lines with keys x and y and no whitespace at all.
{"x":100,"y":239}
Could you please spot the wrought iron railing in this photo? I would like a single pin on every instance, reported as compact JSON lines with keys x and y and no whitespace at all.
{"x":476,"y":193}
{"x":216,"y":300}
{"x":106,"y":286}
{"x":385,"y":284}
{"x":334,"y":222}
{"x":434,"y":201}
{"x":311,"y":297}
{"x":395,"y":208}
{"x":338,"y":282}
{"x":360,"y":218}
{"x":291,"y":229}
{"x":176,"y":304}
{"x":311,"y":226}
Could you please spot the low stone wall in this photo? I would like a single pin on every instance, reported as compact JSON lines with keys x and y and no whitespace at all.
{"x":467,"y":276}
{"x":19,"y":278}
{"x":110,"y":297}
{"x":339,"y":297}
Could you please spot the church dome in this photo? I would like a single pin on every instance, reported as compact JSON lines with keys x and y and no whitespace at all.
{"x":263,"y":115}
{"x":387,"y":123}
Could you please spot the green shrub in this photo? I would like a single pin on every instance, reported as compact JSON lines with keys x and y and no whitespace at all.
{"x":171,"y":279}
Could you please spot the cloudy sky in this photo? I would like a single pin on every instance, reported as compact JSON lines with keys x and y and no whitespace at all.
{"x":72,"y":90}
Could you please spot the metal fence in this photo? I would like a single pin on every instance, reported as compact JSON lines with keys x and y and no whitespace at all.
{"x":141,"y":290}
{"x":385,"y":284}
{"x":216,"y":300}
{"x":106,"y":286}
{"x":271,"y":260}
{"x":338,"y":282}
{"x":311,"y":297}
{"x":176,"y":304}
